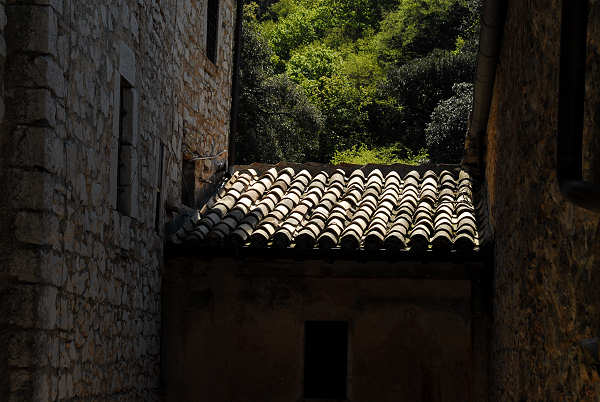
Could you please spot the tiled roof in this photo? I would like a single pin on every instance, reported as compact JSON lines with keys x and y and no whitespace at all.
{"x":393,"y":208}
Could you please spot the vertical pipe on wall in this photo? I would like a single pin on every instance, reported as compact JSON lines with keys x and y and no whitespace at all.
{"x":493,"y":15}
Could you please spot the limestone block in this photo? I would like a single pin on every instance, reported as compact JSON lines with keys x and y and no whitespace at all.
{"x":32,"y":190}
{"x":53,"y":269}
{"x":53,"y":387}
{"x":47,"y":311}
{"x":69,"y":236}
{"x":32,"y":28}
{"x":51,"y":75}
{"x":20,"y":349}
{"x":3,"y":49}
{"x":41,"y":387}
{"x":39,"y":71}
{"x":62,"y":387}
{"x":69,"y":391}
{"x":31,"y":228}
{"x":25,"y":265}
{"x":3,"y":19}
{"x":56,"y":4}
{"x":62,"y":48}
{"x":64,"y":358}
{"x":18,"y":306}
{"x":97,"y":195}
{"x":34,"y":106}
{"x":65,"y":318}
{"x":124,"y":232}
{"x":80,"y":282}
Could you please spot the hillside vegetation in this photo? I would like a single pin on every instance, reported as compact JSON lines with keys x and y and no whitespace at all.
{"x":362,"y":81}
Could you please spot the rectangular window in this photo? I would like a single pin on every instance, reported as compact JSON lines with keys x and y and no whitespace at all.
{"x":188,"y":191}
{"x":212,"y":30}
{"x":125,"y":148}
{"x":325,"y":359}
{"x":159,"y":184}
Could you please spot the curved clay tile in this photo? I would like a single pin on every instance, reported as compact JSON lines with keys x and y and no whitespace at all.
{"x":232,"y":194}
{"x":411,"y":180}
{"x":442,"y":240}
{"x":419,"y":238}
{"x":267,"y":228}
{"x":339,"y":214}
{"x":259,"y":208}
{"x":376,"y":233}
{"x":396,"y":237}
{"x":351,"y":218}
{"x":361,"y":208}
{"x":464,"y":242}
{"x":316,"y":224}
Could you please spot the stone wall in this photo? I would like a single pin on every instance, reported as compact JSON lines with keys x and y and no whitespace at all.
{"x":547,"y":255}
{"x":80,"y":298}
{"x":205,"y":93}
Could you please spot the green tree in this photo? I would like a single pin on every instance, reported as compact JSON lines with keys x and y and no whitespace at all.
{"x":344,"y":107}
{"x":445,"y":133}
{"x":276,"y":121}
{"x":296,"y":29}
{"x":334,"y":75}
{"x":416,"y":27}
{"x":312,"y":62}
{"x":418,"y":86}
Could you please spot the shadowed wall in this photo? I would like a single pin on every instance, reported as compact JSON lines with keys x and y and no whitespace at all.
{"x":547,"y":258}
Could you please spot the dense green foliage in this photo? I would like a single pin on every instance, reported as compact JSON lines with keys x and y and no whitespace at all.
{"x":353,"y":80}
{"x":445,"y":132}
{"x":277,"y":121}
{"x":395,"y":153}
{"x":416,"y":27}
{"x":419,"y":85}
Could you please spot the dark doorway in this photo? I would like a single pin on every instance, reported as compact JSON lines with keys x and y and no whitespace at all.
{"x":325,"y":359}
{"x":212,"y":30}
{"x":188,"y":190}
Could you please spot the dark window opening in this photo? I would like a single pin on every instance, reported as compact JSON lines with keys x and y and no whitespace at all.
{"x":188,"y":196}
{"x":212,"y":30}
{"x":325,"y":359}
{"x":125,"y":150}
{"x":159,"y":184}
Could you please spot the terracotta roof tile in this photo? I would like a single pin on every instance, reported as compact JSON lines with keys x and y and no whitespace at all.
{"x":304,"y":206}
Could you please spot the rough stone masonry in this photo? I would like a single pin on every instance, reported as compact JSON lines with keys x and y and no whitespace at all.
{"x":79,"y":279}
{"x":546,"y":281}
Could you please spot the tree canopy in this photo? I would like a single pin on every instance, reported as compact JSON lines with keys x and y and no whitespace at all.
{"x":325,"y":80}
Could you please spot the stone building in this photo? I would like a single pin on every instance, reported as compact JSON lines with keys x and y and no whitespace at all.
{"x":112,"y":113}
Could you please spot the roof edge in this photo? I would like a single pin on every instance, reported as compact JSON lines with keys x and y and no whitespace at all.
{"x":314,"y":167}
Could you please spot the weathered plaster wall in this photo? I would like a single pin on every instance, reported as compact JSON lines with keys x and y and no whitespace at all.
{"x":235,"y":330}
{"x":547,"y":257}
{"x":80,"y":316}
